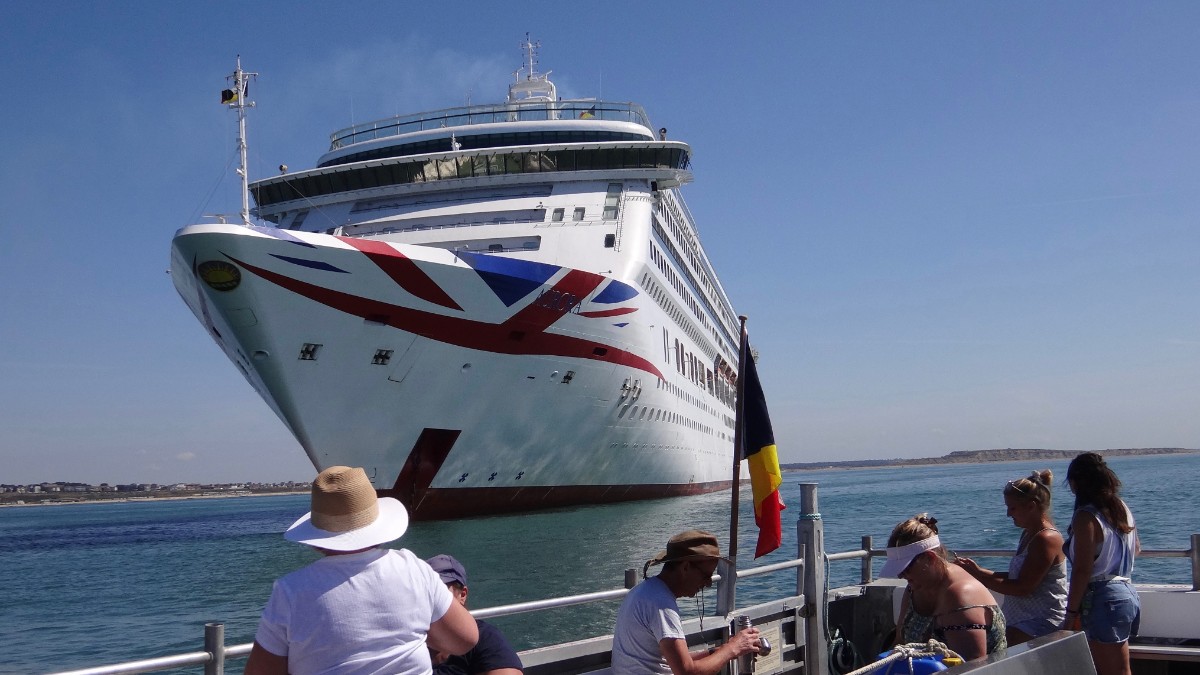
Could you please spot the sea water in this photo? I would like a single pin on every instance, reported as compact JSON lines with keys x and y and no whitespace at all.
{"x":92,"y":584}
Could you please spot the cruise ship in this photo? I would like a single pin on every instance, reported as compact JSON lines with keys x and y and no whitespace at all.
{"x":490,"y":308}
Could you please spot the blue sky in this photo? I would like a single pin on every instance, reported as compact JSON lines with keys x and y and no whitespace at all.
{"x":953,"y":225}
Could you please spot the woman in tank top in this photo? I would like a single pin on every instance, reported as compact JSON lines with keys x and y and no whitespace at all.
{"x":1101,"y":545}
{"x":1035,"y":584}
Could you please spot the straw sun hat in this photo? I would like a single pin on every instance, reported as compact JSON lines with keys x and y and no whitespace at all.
{"x":346,"y":514}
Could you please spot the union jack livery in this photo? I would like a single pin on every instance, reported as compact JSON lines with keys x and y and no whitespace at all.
{"x":490,"y":308}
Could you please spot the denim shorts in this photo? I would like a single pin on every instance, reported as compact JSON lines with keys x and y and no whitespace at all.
{"x":1111,"y":611}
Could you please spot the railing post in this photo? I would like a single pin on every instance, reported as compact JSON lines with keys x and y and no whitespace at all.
{"x":1194,"y":553}
{"x":630,"y":577}
{"x":867,"y":574}
{"x":214,"y":644}
{"x":812,"y":535}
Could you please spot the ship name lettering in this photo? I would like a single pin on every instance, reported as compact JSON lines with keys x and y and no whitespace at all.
{"x":558,"y":301}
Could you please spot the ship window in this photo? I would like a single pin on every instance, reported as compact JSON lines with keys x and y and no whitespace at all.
{"x":578,"y":215}
{"x":611,"y":200}
{"x":557,"y":216}
{"x":309,"y":351}
{"x":610,"y":240}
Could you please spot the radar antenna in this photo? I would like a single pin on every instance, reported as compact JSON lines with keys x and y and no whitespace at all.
{"x":536,"y":87}
{"x":531,"y":49}
{"x":235,"y":98}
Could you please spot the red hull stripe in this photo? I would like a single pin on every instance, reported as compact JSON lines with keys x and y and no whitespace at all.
{"x":445,"y":503}
{"x":403,"y":271}
{"x":608,"y":312}
{"x":520,"y":334}
{"x":538,"y":316}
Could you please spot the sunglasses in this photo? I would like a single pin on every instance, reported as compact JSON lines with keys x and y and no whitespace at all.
{"x":1013,"y":484}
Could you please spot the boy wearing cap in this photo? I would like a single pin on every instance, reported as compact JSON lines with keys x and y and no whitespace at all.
{"x":492,"y":655}
{"x":362,"y":608}
{"x":649,"y":636}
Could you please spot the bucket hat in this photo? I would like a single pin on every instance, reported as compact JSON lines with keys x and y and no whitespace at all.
{"x":347,"y":515}
{"x":689,"y":545}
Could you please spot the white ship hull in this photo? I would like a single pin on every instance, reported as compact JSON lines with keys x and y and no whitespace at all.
{"x":490,"y":308}
{"x":473,"y":411}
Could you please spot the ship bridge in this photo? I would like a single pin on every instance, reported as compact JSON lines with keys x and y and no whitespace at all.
{"x":515,"y":123}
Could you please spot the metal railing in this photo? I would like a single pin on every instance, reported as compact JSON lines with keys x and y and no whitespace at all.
{"x":867,"y":553}
{"x":517,"y":111}
{"x":216,"y":653}
{"x":809,"y":581}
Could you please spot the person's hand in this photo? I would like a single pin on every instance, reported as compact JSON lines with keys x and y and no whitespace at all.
{"x":1073,"y":622}
{"x":969,"y":565}
{"x":746,"y":641}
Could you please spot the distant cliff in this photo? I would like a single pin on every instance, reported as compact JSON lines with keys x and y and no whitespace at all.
{"x":979,"y":456}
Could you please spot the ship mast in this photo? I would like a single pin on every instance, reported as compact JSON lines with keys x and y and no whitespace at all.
{"x":236,"y":98}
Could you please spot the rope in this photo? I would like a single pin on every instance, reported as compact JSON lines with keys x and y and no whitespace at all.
{"x":910,"y":651}
{"x":843,"y":656}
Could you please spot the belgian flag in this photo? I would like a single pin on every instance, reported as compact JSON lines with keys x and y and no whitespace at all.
{"x":758,"y":449}
{"x":231,"y":96}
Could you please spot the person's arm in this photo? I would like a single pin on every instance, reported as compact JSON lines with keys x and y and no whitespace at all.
{"x":454,"y":633}
{"x":970,"y":643}
{"x":682,"y":662}
{"x":1086,"y":536}
{"x":985,"y":576}
{"x":1042,"y":551}
{"x":263,"y":662}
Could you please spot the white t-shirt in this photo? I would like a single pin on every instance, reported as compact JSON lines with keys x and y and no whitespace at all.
{"x":649,"y":614}
{"x":360,"y":613}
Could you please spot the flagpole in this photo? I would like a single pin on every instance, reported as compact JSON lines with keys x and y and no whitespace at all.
{"x":728,"y":590}
{"x":240,"y":79}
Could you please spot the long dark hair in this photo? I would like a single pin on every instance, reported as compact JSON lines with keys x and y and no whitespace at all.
{"x":1096,"y":485}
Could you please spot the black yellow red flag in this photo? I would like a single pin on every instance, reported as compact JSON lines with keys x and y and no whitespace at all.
{"x":758,"y":449}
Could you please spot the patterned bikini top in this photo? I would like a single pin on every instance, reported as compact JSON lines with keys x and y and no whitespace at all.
{"x":920,"y":628}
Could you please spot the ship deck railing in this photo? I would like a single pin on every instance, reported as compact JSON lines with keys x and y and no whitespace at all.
{"x":523,"y":111}
{"x":809,"y":564}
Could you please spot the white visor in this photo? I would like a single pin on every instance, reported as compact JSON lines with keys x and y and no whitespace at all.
{"x":900,"y":557}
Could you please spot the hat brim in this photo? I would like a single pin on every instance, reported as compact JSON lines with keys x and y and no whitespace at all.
{"x":390,"y":525}
{"x":899,"y":558}
{"x":662,"y":559}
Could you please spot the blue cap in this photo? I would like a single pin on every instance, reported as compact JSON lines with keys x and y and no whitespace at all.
{"x":449,"y":569}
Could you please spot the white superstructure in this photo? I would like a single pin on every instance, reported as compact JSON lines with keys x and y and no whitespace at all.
{"x":489,"y":308}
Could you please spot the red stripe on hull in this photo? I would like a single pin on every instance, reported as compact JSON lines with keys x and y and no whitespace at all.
{"x":447,"y":503}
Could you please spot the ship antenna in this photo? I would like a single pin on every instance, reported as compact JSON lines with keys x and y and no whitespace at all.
{"x":531,"y":49}
{"x":236,"y":99}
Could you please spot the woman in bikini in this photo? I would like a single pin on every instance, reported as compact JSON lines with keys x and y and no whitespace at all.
{"x":1036,"y":581}
{"x":942,"y":601}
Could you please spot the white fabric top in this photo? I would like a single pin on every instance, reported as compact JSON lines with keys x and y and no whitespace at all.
{"x":1115,"y":557}
{"x":359,"y":613}
{"x":648,"y":614}
{"x":1048,"y":600}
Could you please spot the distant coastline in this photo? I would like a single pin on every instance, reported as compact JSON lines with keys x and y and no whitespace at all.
{"x":980,"y":457}
{"x":50,"y":499}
